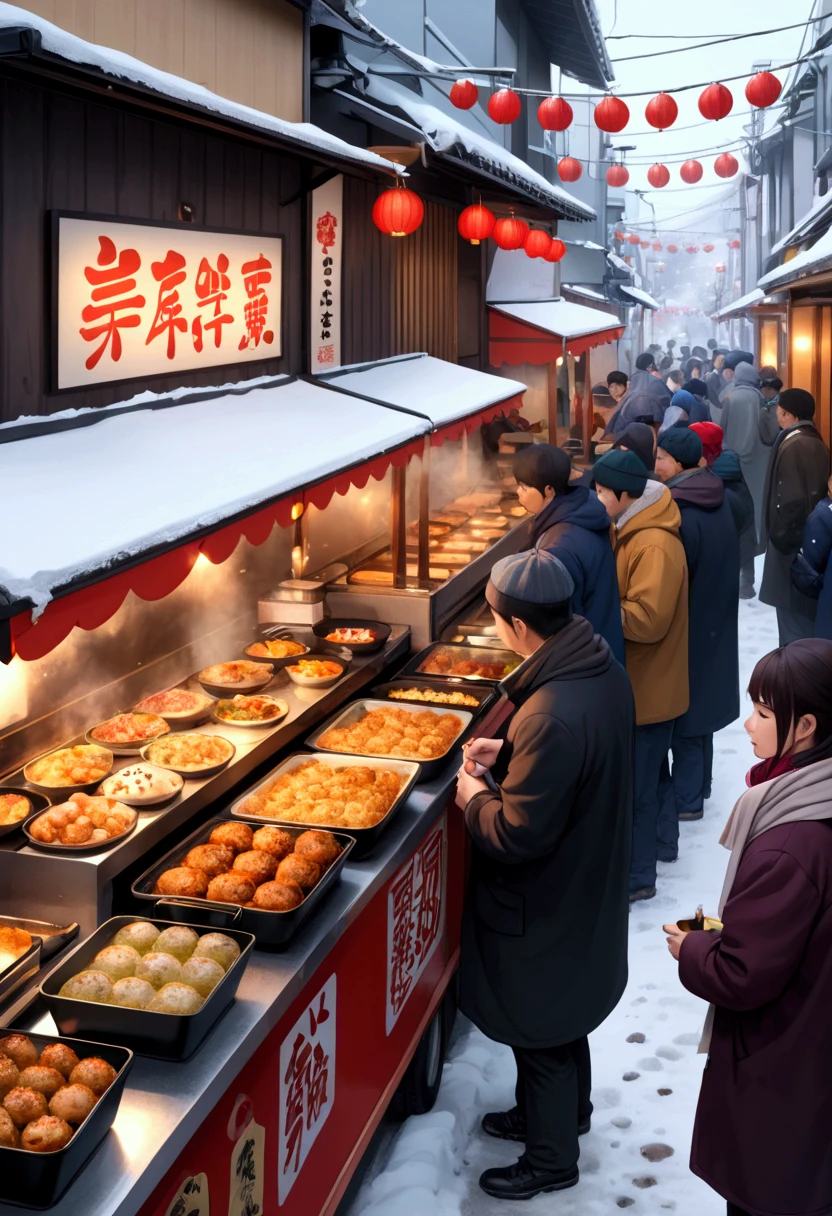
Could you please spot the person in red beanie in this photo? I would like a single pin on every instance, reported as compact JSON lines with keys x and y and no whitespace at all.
{"x":726,"y":465}
{"x":711,"y":436}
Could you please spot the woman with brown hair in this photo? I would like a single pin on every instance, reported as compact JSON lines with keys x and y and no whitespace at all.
{"x":762,"y":1134}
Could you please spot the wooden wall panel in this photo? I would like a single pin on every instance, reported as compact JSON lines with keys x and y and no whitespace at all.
{"x":59,"y":152}
{"x":248,"y":50}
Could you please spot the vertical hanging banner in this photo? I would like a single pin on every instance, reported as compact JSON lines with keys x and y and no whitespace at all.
{"x":415,"y":920}
{"x":325,"y":274}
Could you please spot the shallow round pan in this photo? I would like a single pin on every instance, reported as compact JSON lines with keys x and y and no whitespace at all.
{"x":124,"y":749}
{"x":62,"y":792}
{"x":228,"y":690}
{"x":37,"y":803}
{"x":141,"y":804}
{"x":277,"y":663}
{"x":284,"y":709}
{"x":382,"y":632}
{"x":98,"y":846}
{"x":194,"y":774}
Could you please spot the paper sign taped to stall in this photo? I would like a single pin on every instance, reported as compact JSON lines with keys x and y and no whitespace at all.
{"x":415,"y":919}
{"x":307,"y":1084}
{"x":248,"y":1165}
{"x":192,"y":1198}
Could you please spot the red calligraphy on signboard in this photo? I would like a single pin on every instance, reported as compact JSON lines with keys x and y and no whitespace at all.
{"x":169,"y":274}
{"x":256,"y":274}
{"x":110,"y":296}
{"x":307,"y":1083}
{"x":326,"y":226}
{"x":415,"y":910}
{"x":211,"y":289}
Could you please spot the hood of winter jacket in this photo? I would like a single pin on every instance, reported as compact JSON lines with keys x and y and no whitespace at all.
{"x":575,"y":506}
{"x":727,"y":466}
{"x":655,"y":509}
{"x":746,"y":375}
{"x":575,"y":653}
{"x":700,"y":488}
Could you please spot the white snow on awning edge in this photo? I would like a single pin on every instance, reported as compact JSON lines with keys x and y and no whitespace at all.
{"x":561,"y":318}
{"x":641,"y":297}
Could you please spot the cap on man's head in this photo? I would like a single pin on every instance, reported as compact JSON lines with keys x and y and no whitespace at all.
{"x":698,"y":388}
{"x":683,"y":444}
{"x":798,"y":402}
{"x":621,"y":471}
{"x":712,"y":344}
{"x":735,"y":357}
{"x":602,"y":391}
{"x":711,"y":436}
{"x":533,"y":577}
{"x":645,"y":362}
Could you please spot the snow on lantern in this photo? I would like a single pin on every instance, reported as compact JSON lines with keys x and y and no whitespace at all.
{"x":398,"y":211}
{"x":475,"y":223}
{"x":504,"y":107}
{"x":554,"y":114}
{"x":464,"y":94}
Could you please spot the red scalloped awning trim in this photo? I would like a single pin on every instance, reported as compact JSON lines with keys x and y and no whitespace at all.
{"x":466,"y":426}
{"x":515,"y":342}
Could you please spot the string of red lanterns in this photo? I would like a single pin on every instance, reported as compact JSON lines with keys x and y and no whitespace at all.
{"x":477,"y":223}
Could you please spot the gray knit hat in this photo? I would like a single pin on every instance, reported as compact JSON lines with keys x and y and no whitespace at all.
{"x":533,"y":577}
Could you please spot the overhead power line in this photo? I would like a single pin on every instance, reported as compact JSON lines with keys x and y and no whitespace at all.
{"x":679,"y":37}
{"x":716,"y":40}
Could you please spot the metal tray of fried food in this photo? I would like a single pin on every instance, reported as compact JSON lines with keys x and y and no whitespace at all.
{"x":365,"y":838}
{"x":462,"y":663}
{"x":272,"y":930}
{"x":53,"y":937}
{"x":350,"y":715}
{"x":483,"y":694}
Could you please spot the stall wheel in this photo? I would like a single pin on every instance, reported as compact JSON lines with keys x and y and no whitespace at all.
{"x":419,"y":1087}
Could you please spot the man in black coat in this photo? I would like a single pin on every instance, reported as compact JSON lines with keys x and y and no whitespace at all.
{"x":798,"y":469}
{"x":646,"y":399}
{"x":544,"y":938}
{"x":712,"y":549}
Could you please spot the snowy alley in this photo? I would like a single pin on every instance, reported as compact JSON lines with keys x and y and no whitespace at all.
{"x":646,"y":1069}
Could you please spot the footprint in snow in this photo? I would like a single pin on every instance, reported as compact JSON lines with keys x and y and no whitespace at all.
{"x":644,"y":927}
{"x":644,"y":1183}
{"x":605,"y":1099}
{"x":689,"y":1039}
{"x":651,"y":1064}
{"x":640,"y":1000}
{"x":664,"y":1093}
{"x":669,"y":1053}
{"x":648,"y":987}
{"x":636,"y":1037}
{"x":657,"y":1152}
{"x":625,"y":1202}
{"x":631,"y":1076}
{"x":622,"y":1122}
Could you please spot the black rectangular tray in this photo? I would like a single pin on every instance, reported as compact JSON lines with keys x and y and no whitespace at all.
{"x":463,"y":653}
{"x":364,"y":839}
{"x":37,"y":1180}
{"x":164,"y":1036}
{"x":272,"y":930}
{"x":485,"y":694}
{"x":22,"y":969}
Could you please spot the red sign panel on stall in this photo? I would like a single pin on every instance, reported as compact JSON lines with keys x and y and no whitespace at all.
{"x":141,"y":300}
{"x":415,"y":920}
{"x":306,"y":1084}
{"x":325,"y":275}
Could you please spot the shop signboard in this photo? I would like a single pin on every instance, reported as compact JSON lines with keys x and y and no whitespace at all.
{"x":415,"y":920}
{"x":134,"y":300}
{"x":325,"y":275}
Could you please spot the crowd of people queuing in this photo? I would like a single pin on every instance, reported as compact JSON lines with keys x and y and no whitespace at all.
{"x":625,"y":610}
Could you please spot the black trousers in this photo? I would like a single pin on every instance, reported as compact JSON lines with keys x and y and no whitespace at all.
{"x":552,"y":1094}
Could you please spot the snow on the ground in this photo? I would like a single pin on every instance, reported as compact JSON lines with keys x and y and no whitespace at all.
{"x":436,"y":1159}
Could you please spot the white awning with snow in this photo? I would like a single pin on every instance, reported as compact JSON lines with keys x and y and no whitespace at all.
{"x":586,"y":293}
{"x":810,"y":261}
{"x":819,"y":213}
{"x":640,"y":297}
{"x":559,"y":317}
{"x":433,"y":388}
{"x":620,"y":264}
{"x":740,"y":305}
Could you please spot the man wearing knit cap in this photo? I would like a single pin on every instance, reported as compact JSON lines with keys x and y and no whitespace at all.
{"x":795,"y":483}
{"x":653,"y":585}
{"x":712,"y":549}
{"x":544,"y":937}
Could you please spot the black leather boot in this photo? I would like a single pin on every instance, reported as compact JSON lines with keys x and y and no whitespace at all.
{"x":523,"y":1181}
{"x":510,"y":1125}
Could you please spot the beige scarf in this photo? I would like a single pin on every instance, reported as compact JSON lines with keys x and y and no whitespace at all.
{"x":797,"y":797}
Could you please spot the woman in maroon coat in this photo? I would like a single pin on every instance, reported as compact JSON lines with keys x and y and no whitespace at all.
{"x":763,"y":1133}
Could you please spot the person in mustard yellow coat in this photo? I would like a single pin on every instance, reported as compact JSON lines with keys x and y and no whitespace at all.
{"x":653,"y":585}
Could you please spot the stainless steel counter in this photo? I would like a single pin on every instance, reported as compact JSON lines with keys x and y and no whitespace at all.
{"x":164,"y":1104}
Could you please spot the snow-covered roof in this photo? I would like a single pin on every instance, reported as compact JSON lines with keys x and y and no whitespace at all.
{"x":820,"y":211}
{"x":118,"y":65}
{"x":448,"y":136}
{"x":212,"y":459}
{"x":433,"y":388}
{"x":559,"y":317}
{"x":740,"y":305}
{"x":620,"y":264}
{"x":640,"y":297}
{"x":810,"y":261}
{"x":586,"y":292}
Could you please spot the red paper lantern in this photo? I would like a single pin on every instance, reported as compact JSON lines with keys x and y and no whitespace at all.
{"x":691,"y":171}
{"x":510,"y":233}
{"x":720,"y":268}
{"x":611,"y":114}
{"x":618,"y":175}
{"x":657,"y":246}
{"x":504,"y":107}
{"x":763,"y":90}
{"x":708,"y":248}
{"x":556,"y":251}
{"x":658,"y":176}
{"x":734,"y":244}
{"x":726,"y":165}
{"x":645,"y":244}
{"x":661,"y":111}
{"x":475,"y":224}
{"x":691,"y":249}
{"x":569,"y":169}
{"x":537,"y":243}
{"x":398,"y":211}
{"x":673,"y":249}
{"x":464,"y":94}
{"x":715,"y":102}
{"x":554,"y":114}
{"x":619,"y":236}
{"x":633,"y":239}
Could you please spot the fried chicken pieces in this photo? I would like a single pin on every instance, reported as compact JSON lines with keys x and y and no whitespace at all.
{"x":396,"y":732}
{"x":317,"y":793}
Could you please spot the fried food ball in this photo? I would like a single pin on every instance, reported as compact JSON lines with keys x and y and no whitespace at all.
{"x":20,"y":1048}
{"x":277,"y":896}
{"x":72,"y":1103}
{"x":79,"y":832}
{"x":116,"y":961}
{"x":132,"y":993}
{"x":41,"y":829}
{"x":182,"y":880}
{"x":24,"y":1105}
{"x":320,"y":847}
{"x":203,"y":974}
{"x":89,"y":986}
{"x":48,"y":1134}
{"x":9,"y":1135}
{"x":299,"y":869}
{"x":9,"y":1075}
{"x":275,"y":841}
{"x":141,"y":935}
{"x":232,"y":888}
{"x":95,"y":1073}
{"x":212,"y":859}
{"x":222,"y":949}
{"x":176,"y":998}
{"x":46,"y":1081}
{"x":178,"y":940}
{"x":59,"y":1056}
{"x":259,"y":866}
{"x":236,"y":836}
{"x":159,"y":969}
